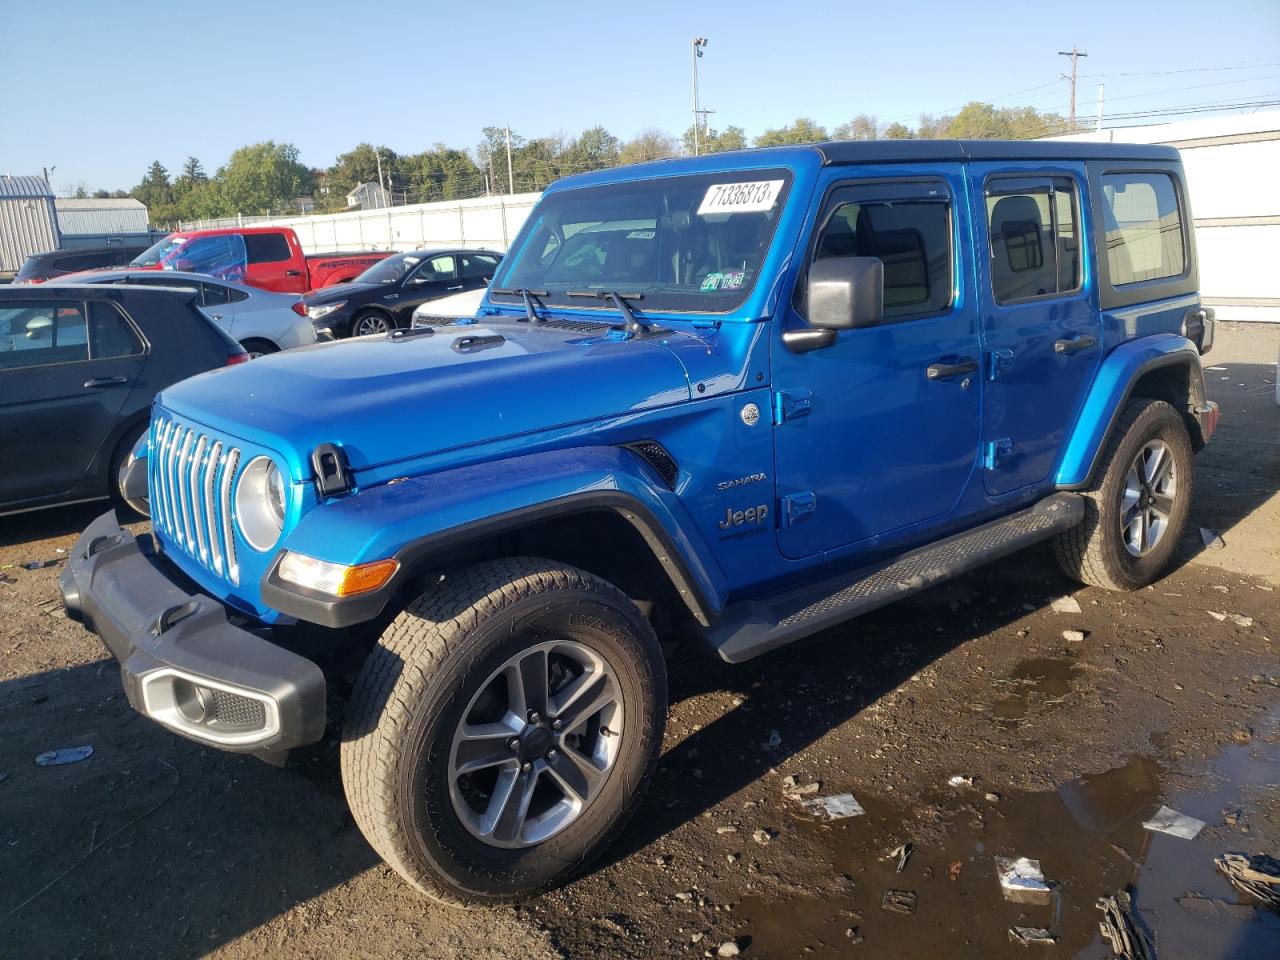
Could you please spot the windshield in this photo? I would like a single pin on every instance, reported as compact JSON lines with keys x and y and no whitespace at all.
{"x":692,"y":243}
{"x":390,"y":270}
{"x":222,"y":256}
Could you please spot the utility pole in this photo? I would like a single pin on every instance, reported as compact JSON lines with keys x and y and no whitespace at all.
{"x":511,"y":180}
{"x":1102,"y":88}
{"x":698,"y":44}
{"x":1075,"y":55}
{"x":378,"y":156}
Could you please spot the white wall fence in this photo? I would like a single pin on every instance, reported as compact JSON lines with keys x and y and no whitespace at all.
{"x":489,"y":222}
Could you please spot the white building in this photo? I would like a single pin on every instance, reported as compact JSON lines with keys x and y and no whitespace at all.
{"x":1231,"y":164}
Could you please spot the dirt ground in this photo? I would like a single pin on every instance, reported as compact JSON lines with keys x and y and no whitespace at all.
{"x":156,"y":847}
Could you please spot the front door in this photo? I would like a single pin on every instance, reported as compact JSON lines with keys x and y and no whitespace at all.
{"x":879,"y":432}
{"x":435,"y":277}
{"x":1042,"y":329}
{"x":66,"y":369}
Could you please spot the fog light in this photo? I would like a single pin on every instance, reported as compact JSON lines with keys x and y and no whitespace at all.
{"x":335,"y":579}
{"x":208,"y":709}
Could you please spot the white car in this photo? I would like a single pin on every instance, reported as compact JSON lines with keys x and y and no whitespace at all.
{"x":262,"y":320}
{"x":463,"y":304}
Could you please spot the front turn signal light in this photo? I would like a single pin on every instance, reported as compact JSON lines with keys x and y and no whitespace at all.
{"x":335,"y":579}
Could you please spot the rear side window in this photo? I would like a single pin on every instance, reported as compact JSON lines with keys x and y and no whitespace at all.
{"x":110,"y":335}
{"x":1035,"y":237}
{"x":1143,"y":226}
{"x":267,"y":247}
{"x":38,"y":333}
{"x":478,"y":265}
{"x":912,"y":238}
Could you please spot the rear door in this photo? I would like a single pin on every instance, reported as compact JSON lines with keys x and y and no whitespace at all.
{"x":477,"y":269}
{"x":66,"y":369}
{"x":871,"y":444}
{"x":1040,"y":319}
{"x":273,"y":264}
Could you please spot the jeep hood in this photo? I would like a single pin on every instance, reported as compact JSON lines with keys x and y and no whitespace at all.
{"x":389,"y":398}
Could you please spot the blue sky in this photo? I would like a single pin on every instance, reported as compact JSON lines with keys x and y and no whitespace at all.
{"x":100,"y":89}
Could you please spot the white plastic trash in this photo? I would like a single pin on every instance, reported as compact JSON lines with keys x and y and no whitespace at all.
{"x":1170,"y":821}
{"x":835,"y":807}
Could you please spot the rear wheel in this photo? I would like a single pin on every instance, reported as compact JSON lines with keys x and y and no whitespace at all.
{"x":256,"y":347}
{"x":369,"y":322}
{"x":1137,"y":508}
{"x":503,"y":729}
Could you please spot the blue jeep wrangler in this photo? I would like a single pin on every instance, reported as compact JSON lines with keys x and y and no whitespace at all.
{"x":744,"y":396}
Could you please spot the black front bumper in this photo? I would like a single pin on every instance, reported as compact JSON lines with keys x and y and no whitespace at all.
{"x":173,"y":644}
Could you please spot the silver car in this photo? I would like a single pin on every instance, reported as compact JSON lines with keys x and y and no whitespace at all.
{"x":262,"y":320}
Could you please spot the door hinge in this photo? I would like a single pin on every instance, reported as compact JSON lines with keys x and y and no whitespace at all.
{"x":994,"y":451}
{"x":789,"y":404}
{"x":798,"y":507}
{"x":998,"y":362}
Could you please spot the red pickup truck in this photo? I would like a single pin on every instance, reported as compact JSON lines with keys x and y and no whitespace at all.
{"x":267,"y":257}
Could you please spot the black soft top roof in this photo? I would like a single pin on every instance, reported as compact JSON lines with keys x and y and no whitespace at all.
{"x":838,"y":152}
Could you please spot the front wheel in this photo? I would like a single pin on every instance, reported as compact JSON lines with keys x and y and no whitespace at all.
{"x":503,"y":729}
{"x":370,"y":322}
{"x":1137,"y":508}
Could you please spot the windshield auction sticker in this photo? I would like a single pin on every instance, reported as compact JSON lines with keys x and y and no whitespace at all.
{"x":756,"y":196}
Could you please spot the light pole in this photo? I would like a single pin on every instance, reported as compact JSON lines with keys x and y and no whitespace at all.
{"x":698,"y":44}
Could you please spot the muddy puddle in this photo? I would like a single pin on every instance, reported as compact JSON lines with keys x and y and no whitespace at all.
{"x":1089,"y":839}
{"x":1034,"y":685}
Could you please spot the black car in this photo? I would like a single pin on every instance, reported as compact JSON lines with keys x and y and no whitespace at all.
{"x":42,"y":267}
{"x":79,"y":366}
{"x":384,"y":296}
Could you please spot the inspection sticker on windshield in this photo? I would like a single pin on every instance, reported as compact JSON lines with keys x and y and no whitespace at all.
{"x":756,"y":196}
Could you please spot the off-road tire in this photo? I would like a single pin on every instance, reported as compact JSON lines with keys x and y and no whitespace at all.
{"x":1093,"y":552}
{"x":416,"y":682}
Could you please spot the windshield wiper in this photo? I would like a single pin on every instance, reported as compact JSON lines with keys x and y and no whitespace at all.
{"x":634,"y":325}
{"x":525,"y":294}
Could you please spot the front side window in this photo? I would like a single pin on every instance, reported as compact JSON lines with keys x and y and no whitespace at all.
{"x":1035,"y":237}
{"x":37,"y":333}
{"x":1144,"y":227}
{"x":912,"y":238}
{"x":682,"y":243}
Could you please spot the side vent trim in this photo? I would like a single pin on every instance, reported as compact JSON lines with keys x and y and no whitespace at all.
{"x":655,"y":454}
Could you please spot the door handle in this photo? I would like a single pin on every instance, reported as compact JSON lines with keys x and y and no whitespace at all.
{"x":945,"y":371}
{"x":293,"y":273}
{"x":106,"y":382}
{"x":1073,"y":345}
{"x":451,"y":289}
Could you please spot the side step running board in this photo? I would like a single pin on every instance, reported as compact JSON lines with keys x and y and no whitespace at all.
{"x":752,"y":627}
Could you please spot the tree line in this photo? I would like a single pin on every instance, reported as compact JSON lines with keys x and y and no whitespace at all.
{"x":270,"y":178}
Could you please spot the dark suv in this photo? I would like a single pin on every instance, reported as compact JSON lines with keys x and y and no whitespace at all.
{"x":43,"y":267}
{"x":79,"y":367}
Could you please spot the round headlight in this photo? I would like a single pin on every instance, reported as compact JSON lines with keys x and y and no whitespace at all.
{"x":260,"y":504}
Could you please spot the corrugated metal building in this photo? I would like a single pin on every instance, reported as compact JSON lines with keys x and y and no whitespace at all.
{"x":28,"y":221}
{"x":84,"y":222}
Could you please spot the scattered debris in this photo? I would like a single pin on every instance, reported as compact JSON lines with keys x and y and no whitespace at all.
{"x":1065,"y":605}
{"x":953,"y":870}
{"x":56,"y":758}
{"x":764,"y":836}
{"x":792,"y":789}
{"x":901,"y":853}
{"x":1236,"y":618}
{"x":899,"y":901}
{"x":1258,"y":875}
{"x":1211,"y":539}
{"x":774,"y":741}
{"x":729,"y":948}
{"x":697,"y":938}
{"x":1030,"y":935}
{"x":835,"y":807}
{"x":1022,"y":880}
{"x":961,"y":781}
{"x":1170,"y":821}
{"x":7,"y":580}
{"x":1074,"y":636}
{"x":1121,"y":930}
{"x":721,"y":831}
{"x":991,"y":797}
{"x":41,"y":564}
{"x":854,"y":935}
{"x":684,"y":895}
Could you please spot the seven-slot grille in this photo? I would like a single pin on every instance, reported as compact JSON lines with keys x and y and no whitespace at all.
{"x":191,"y":485}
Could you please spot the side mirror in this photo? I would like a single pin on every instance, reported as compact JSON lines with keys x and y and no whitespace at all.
{"x":844,"y":293}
